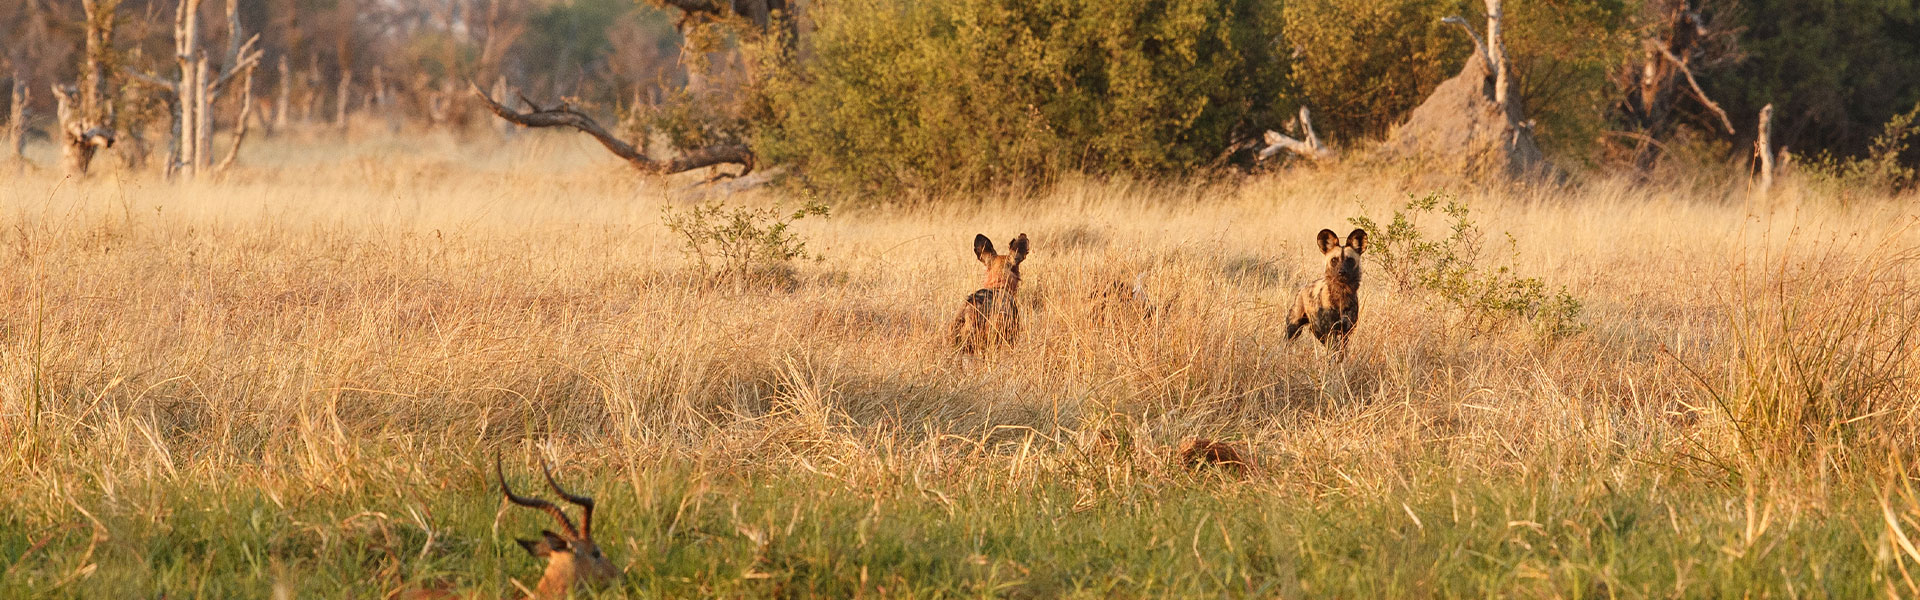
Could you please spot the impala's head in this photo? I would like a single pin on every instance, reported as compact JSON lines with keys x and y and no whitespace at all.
{"x":572,"y":556}
{"x":1003,"y":270}
{"x":1343,"y":259}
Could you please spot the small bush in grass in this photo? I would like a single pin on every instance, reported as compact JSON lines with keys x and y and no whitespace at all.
{"x":1456,"y":270}
{"x":736,"y":242}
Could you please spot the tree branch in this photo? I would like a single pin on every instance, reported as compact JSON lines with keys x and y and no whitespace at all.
{"x":1310,"y":147}
{"x":1697,"y":92}
{"x":565,"y":116}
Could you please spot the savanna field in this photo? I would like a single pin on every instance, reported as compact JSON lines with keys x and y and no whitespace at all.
{"x":292,"y":382}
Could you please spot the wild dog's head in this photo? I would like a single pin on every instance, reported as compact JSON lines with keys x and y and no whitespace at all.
{"x":1003,"y":270}
{"x":1343,"y":259}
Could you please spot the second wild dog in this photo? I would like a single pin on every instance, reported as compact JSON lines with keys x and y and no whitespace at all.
{"x":1331,"y":306}
{"x":989,"y":316}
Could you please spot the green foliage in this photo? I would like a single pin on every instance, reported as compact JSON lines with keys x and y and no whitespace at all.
{"x":569,"y":40}
{"x":1363,"y":65}
{"x":1881,"y":171}
{"x":1456,"y":269}
{"x":736,"y":242}
{"x":931,"y":95}
{"x":1835,"y":71}
{"x":1564,"y":55}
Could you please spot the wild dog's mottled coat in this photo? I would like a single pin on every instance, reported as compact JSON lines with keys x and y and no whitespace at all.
{"x":1332,"y":305}
{"x":990,"y":316}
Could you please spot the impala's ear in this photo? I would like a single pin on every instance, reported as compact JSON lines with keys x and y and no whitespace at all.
{"x":1358,"y":239}
{"x":548,"y":544}
{"x":983,"y":247}
{"x":1019,"y":248}
{"x":1328,"y":240}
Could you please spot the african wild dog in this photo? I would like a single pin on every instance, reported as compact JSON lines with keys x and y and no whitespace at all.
{"x":1332,"y":305}
{"x":990,"y":316}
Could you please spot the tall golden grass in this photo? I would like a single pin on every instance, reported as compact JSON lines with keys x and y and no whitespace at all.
{"x":359,"y":316}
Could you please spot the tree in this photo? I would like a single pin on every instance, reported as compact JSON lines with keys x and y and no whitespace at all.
{"x":195,"y":88}
{"x":86,"y":110}
{"x":755,"y":21}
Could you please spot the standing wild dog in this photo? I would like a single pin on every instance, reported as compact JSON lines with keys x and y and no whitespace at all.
{"x":1332,"y":305}
{"x":990,"y":316}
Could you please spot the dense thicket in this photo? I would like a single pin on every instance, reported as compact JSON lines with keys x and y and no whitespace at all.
{"x":924,"y":94}
{"x":961,"y":93}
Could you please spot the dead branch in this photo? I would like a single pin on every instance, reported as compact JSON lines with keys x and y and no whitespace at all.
{"x":1479,"y":46}
{"x":1762,"y":147}
{"x":246,"y":110}
{"x":1311,"y":147}
{"x":564,"y":115}
{"x":1697,"y":92}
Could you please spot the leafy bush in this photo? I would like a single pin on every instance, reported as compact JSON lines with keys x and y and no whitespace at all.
{"x":1362,"y":65}
{"x":1881,"y":170}
{"x":1454,"y":269}
{"x":955,"y":94}
{"x":738,"y":242}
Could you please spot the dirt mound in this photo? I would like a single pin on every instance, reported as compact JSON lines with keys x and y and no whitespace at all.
{"x":1460,"y":128}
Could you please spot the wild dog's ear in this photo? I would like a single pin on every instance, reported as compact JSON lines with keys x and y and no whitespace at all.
{"x":1328,"y":240}
{"x":1358,"y":239}
{"x":1019,"y":248}
{"x":547,"y":545}
{"x":983,"y":247}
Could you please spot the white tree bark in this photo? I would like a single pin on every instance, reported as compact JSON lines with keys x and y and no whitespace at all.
{"x":1497,"y":53}
{"x":17,"y":117}
{"x":1311,"y":147}
{"x":1763,"y":148}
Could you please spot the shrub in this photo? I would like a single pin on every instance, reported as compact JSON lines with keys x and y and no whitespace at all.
{"x":736,"y":242}
{"x":1881,"y":170}
{"x":1454,"y":269}
{"x":955,"y":94}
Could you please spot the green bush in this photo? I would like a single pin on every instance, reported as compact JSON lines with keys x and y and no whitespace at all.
{"x":736,"y":243}
{"x":1455,"y":269}
{"x":957,"y":94}
{"x":1879,"y":172}
{"x":1363,"y":64}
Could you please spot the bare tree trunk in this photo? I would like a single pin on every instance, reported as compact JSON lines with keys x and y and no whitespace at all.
{"x":17,"y":117}
{"x":1497,"y":53}
{"x":240,"y":126}
{"x":285,"y":96}
{"x":1763,"y":148}
{"x":196,"y":87}
{"x":340,"y":105}
{"x":189,"y":87}
{"x":86,"y":122}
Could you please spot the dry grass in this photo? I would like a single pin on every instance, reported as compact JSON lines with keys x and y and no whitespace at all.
{"x":385,"y":315}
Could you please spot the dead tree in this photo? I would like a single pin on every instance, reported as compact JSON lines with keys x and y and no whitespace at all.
{"x":751,"y":19}
{"x":196,"y":87}
{"x":17,"y":117}
{"x":1309,"y":146}
{"x":282,"y":101}
{"x":564,"y":115}
{"x":1763,"y":152}
{"x":1664,"y":74}
{"x":86,"y":110}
